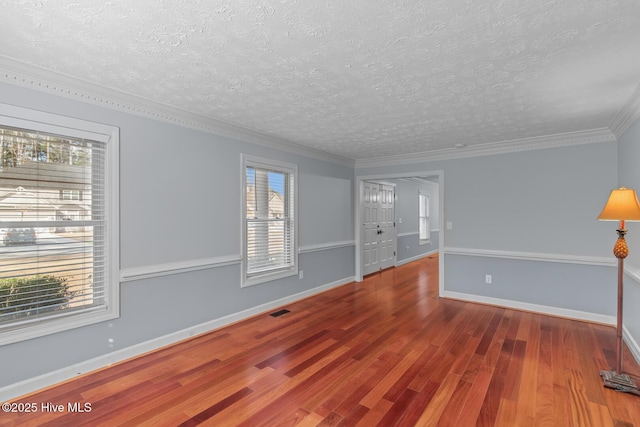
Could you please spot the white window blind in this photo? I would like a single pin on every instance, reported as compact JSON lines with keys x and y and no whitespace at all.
{"x":423,"y":218}
{"x":53,"y":229}
{"x":270,"y":226}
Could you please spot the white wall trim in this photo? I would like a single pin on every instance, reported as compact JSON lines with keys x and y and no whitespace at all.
{"x":415,"y":258}
{"x":633,"y":345}
{"x":415,"y":233}
{"x":325,"y":246}
{"x":26,"y":75}
{"x":525,"y":144}
{"x":411,"y":233}
{"x":32,"y":384}
{"x":632,"y":271}
{"x":165,"y":269}
{"x":157,"y":270}
{"x":628,"y":114}
{"x":533,"y":256}
{"x":535,"y":308}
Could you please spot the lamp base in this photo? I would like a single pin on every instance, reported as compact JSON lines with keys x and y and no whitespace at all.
{"x":619,"y":382}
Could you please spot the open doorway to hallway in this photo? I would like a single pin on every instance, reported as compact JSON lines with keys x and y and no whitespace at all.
{"x":418,"y":220}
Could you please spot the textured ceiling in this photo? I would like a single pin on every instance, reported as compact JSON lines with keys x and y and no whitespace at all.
{"x":360,"y":78}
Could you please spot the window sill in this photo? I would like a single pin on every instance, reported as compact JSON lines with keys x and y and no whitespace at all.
{"x":268,"y":277}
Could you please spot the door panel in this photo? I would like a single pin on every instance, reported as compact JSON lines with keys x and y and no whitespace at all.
{"x":378,"y":227}
{"x":370,"y":243}
{"x":387,"y":238}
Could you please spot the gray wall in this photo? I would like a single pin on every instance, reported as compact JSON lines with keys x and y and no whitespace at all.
{"x":629,"y":176}
{"x":180,"y":200}
{"x":541,"y":203}
{"x":409,"y":247}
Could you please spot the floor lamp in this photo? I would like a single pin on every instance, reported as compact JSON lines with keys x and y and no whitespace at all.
{"x":622,"y":206}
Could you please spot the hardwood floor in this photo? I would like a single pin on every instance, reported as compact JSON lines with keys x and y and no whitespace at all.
{"x":384,"y":352}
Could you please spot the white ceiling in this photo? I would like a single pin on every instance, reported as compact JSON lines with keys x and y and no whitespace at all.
{"x":359,"y":79}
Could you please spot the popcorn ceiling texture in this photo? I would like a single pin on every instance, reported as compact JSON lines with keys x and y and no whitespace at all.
{"x":360,"y":78}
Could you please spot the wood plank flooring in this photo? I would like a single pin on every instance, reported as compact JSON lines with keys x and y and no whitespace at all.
{"x":384,"y":352}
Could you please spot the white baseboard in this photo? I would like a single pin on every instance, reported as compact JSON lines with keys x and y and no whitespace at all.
{"x":536,"y":308}
{"x":415,"y":258}
{"x":32,"y":384}
{"x":634,"y":348}
{"x":634,"y":273}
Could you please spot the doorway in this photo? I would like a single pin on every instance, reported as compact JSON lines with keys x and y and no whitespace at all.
{"x":437,"y":176}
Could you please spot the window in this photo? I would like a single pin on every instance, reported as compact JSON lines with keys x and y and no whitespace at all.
{"x":58,"y":223}
{"x":71,"y":195}
{"x":269,"y":210}
{"x":423,"y":218}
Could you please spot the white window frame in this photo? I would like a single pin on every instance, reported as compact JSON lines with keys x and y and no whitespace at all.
{"x":259,"y":162}
{"x":24,"y":118}
{"x":424,"y":196}
{"x":71,"y":195}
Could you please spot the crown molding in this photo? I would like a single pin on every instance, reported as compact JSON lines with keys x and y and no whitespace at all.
{"x":30,"y":76}
{"x":525,"y":144}
{"x":628,"y":114}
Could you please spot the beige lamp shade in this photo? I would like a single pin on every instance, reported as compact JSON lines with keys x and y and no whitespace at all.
{"x":622,"y":205}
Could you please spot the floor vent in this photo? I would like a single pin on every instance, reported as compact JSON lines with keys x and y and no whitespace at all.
{"x":279,"y":313}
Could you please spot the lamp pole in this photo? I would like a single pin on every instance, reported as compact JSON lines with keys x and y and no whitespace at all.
{"x":620,"y":250}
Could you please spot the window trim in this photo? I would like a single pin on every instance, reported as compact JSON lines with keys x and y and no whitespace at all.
{"x":260,"y":162}
{"x":110,"y":135}
{"x":427,"y":197}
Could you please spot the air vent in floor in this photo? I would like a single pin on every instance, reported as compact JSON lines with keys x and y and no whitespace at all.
{"x":279,"y":313}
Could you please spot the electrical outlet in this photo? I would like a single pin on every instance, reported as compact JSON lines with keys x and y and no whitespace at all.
{"x":487,"y":279}
{"x":300,"y":274}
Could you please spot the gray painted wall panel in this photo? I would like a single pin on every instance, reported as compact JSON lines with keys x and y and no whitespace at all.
{"x":414,"y":248}
{"x":585,"y":288}
{"x":325,"y":203}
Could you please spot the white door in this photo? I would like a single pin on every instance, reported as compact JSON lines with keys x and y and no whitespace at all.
{"x":378,"y":243}
{"x":387,"y":237}
{"x":370,"y":227}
